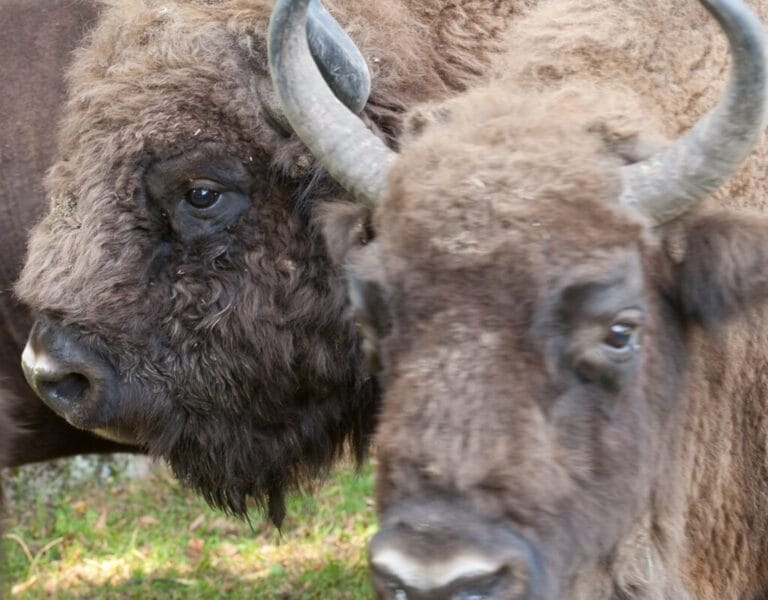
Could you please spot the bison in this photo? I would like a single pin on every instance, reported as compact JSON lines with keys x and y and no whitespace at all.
{"x":184,"y":298}
{"x":567,"y":309}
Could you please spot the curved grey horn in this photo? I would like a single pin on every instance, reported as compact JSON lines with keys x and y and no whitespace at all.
{"x":338,"y":58}
{"x":351,"y":153}
{"x":669,"y":183}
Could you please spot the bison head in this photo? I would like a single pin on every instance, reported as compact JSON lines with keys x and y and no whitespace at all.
{"x":185,"y":302}
{"x":534,"y":314}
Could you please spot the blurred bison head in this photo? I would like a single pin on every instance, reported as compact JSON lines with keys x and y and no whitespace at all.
{"x":560,"y":420}
{"x":184,"y":300}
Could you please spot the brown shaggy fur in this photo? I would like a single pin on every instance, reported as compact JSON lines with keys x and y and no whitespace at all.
{"x":233,"y":349}
{"x":634,"y":476}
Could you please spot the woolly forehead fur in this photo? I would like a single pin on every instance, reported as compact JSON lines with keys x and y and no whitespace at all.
{"x":587,"y":86}
{"x":499,"y":169}
{"x":155,"y":73}
{"x":148,"y":61}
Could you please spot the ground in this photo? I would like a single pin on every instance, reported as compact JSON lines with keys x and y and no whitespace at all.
{"x":111,"y":536}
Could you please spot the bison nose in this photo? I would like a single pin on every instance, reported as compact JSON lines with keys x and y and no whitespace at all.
{"x":399,"y":576}
{"x":70,"y":378}
{"x":53,"y":382}
{"x":433,"y":554}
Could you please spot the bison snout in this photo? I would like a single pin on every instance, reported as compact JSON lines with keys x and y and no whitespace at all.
{"x":73,"y":380}
{"x":431,"y":554}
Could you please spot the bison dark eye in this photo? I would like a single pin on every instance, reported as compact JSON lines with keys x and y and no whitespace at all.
{"x":202,"y":197}
{"x":621,"y":336}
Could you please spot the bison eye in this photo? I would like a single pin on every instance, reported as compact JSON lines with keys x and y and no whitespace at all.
{"x":621,"y":337}
{"x":201,"y":197}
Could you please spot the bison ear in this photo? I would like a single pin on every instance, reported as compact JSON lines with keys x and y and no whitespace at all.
{"x":423,"y":118}
{"x":346,"y":227}
{"x":719,"y":264}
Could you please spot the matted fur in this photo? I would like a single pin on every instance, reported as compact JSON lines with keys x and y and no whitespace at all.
{"x":638,"y":479}
{"x":236,"y":356}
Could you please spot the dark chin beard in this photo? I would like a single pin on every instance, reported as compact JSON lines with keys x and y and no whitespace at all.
{"x":233,"y":500}
{"x":265,"y":465}
{"x":227,"y":476}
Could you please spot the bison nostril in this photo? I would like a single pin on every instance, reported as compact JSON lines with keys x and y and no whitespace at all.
{"x":70,"y":388}
{"x":74,"y":380}
{"x":63,"y":386}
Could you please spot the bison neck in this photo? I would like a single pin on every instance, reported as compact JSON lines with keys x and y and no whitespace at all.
{"x":725,"y":511}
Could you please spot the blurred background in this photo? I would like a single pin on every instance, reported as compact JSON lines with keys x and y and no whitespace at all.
{"x":123,"y":527}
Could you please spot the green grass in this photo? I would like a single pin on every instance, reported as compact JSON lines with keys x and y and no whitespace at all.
{"x":153,"y":539}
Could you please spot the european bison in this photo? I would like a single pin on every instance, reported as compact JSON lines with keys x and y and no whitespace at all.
{"x":184,"y":296}
{"x":575,"y":358}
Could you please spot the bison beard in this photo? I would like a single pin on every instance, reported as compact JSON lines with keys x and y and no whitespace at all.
{"x":289,"y":455}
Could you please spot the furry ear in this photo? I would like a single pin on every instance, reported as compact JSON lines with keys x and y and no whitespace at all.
{"x":345,"y":227}
{"x":720,"y":265}
{"x":422,"y":118}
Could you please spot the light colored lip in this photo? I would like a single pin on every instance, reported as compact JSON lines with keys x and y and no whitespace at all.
{"x":115,"y":436}
{"x":430,"y":576}
{"x":28,"y":359}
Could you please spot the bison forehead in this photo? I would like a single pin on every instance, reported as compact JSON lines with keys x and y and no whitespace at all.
{"x":541,"y":169}
{"x":165,"y":72}
{"x":502,"y":229}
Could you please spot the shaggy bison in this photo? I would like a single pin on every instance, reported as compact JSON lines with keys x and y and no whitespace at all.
{"x":185,"y":301}
{"x":574,"y":347}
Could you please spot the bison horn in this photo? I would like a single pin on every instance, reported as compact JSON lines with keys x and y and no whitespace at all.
{"x":338,"y":58}
{"x":669,"y":183}
{"x":350,"y":152}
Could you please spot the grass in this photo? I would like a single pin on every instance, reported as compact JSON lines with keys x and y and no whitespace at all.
{"x":152,"y":539}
